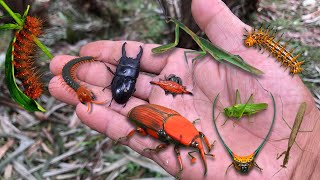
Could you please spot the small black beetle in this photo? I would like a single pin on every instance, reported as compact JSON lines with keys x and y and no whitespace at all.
{"x":124,"y":80}
{"x":173,"y":78}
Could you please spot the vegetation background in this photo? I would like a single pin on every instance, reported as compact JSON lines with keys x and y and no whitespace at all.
{"x":55,"y":144}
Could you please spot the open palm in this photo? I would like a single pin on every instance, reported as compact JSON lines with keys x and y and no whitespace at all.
{"x":206,"y":78}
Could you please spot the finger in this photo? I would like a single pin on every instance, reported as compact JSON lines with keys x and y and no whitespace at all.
{"x":109,"y":51}
{"x":57,"y":63}
{"x":108,"y":122}
{"x":221,"y":26}
{"x":225,"y":30}
{"x":93,"y":72}
{"x":94,"y":77}
{"x":96,"y":73}
{"x":58,"y":90}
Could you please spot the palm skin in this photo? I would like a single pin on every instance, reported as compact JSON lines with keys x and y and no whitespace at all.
{"x":206,"y":78}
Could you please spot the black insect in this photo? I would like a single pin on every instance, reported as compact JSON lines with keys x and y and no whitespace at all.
{"x":174,"y":78}
{"x":124,"y":80}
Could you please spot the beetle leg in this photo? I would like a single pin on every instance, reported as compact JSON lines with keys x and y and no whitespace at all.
{"x":177,"y":151}
{"x":157,"y":149}
{"x":209,"y":155}
{"x":141,"y":131}
{"x":138,"y":130}
{"x":109,"y":69}
{"x":110,"y":102}
{"x":125,"y":138}
{"x":194,"y":122}
{"x":166,"y":92}
{"x":193,"y":159}
{"x":106,"y":87}
{"x":205,"y":139}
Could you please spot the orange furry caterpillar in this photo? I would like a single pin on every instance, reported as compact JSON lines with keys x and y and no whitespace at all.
{"x":69,"y":76}
{"x":264,"y":39}
{"x":23,"y":57}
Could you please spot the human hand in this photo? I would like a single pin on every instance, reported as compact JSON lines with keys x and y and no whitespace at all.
{"x":205,"y":79}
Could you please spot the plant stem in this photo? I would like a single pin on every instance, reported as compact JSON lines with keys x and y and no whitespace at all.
{"x":12,"y":14}
{"x":43,"y":47}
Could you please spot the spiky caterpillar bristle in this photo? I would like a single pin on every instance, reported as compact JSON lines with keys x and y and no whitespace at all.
{"x":263,"y":38}
{"x":23,"y":53}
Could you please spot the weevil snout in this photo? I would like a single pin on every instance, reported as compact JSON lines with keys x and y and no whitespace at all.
{"x":197,"y":144}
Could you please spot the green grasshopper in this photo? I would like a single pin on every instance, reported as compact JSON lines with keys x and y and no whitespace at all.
{"x":206,"y":47}
{"x":239,"y":110}
{"x":244,"y":164}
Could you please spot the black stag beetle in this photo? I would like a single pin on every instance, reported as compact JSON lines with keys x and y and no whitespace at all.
{"x":124,"y":80}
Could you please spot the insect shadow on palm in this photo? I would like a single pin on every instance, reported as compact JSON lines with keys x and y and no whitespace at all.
{"x":238,"y":110}
{"x":125,"y":78}
{"x":294,"y":132}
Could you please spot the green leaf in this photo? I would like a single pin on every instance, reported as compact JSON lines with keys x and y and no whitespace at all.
{"x":9,"y":26}
{"x":11,"y":13}
{"x":22,"y":99}
{"x":25,"y":14}
{"x":42,"y":47}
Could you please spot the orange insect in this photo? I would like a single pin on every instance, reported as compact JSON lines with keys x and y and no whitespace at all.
{"x":263,"y":38}
{"x":69,"y":76}
{"x":173,"y":85}
{"x":169,"y":127}
{"x":23,"y":57}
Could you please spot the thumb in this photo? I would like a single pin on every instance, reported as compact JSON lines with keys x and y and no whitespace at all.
{"x":221,"y":26}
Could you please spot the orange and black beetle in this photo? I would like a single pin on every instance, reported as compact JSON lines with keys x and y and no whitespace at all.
{"x":170,"y":127}
{"x":172,"y":84}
